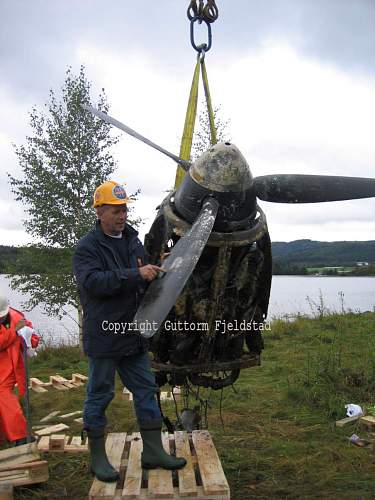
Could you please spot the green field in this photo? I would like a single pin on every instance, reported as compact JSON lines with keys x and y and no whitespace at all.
{"x":279,"y":439}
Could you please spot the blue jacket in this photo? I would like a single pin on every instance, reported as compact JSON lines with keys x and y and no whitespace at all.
{"x":110,"y":293}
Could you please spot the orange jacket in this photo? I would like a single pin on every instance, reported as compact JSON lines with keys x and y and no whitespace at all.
{"x":12,"y":343}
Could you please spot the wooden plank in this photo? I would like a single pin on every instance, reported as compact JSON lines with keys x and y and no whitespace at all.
{"x":76,"y":446}
{"x":160,"y":483}
{"x":43,"y":443}
{"x":76,"y":441}
{"x":187,"y":485}
{"x":369,"y":421}
{"x":21,"y":474}
{"x":114,"y":447}
{"x":72,"y":414}
{"x":37,"y":385}
{"x":347,"y":420}
{"x":58,"y":380}
{"x":50,"y":416}
{"x":77,"y":377}
{"x":19,"y":454}
{"x":6,"y":492}
{"x":211,"y":471}
{"x":57,"y":442}
{"x":52,"y":429}
{"x":37,"y":382}
{"x":133,"y":479}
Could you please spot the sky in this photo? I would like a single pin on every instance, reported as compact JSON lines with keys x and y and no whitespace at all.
{"x":295,"y":79}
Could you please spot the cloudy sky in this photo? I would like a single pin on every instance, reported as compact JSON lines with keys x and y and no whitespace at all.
{"x":296,"y":79}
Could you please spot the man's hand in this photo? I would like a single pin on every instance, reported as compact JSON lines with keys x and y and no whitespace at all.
{"x":150,"y":272}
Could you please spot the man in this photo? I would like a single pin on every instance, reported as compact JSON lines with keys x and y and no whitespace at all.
{"x":111,"y":270}
{"x":16,"y":334}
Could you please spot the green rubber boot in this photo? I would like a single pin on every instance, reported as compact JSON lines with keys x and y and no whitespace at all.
{"x":100,"y":465}
{"x":153,"y":454}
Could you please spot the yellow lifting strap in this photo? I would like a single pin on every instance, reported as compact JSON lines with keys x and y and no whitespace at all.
{"x":191,"y":114}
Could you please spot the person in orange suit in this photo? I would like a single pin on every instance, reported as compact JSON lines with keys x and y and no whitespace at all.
{"x":16,"y":335}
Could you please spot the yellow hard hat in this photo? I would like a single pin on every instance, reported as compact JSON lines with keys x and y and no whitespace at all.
{"x":110,"y":193}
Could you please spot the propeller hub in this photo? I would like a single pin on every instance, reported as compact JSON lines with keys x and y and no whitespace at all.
{"x":222,"y":168}
{"x":221,"y":173}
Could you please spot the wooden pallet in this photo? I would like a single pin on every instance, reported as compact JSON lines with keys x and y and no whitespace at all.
{"x":21,"y":465}
{"x":27,"y":473}
{"x":19,"y":455}
{"x":58,"y":382}
{"x":202,"y":478}
{"x":61,"y":443}
{"x":164,"y":395}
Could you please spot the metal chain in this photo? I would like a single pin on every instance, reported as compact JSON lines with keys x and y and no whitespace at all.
{"x":208,"y":13}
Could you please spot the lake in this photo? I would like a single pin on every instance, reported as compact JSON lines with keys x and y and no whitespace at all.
{"x":290,"y":295}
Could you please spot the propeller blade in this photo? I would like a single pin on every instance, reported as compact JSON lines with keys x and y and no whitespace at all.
{"x":112,"y":121}
{"x":294,"y":188}
{"x":163,"y":292}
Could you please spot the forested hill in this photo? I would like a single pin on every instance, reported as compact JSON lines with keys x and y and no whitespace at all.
{"x":288,"y":258}
{"x":308,"y":253}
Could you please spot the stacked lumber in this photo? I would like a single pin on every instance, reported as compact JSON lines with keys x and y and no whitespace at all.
{"x":21,"y":465}
{"x":58,"y":382}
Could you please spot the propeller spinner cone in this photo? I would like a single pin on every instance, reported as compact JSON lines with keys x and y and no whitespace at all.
{"x":221,"y":173}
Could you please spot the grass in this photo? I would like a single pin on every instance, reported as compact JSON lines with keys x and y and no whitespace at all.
{"x":279,"y":439}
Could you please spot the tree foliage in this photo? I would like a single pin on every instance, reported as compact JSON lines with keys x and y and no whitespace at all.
{"x":67,"y":155}
{"x":202,"y":135}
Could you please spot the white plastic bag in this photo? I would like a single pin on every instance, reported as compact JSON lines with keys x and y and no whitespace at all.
{"x":353,"y":410}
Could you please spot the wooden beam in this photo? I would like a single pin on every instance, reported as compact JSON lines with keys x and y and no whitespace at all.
{"x":187,"y":485}
{"x":347,"y":420}
{"x":212,"y":474}
{"x":68,"y":415}
{"x":19,"y":454}
{"x":37,"y":385}
{"x":133,"y":479}
{"x":369,"y":421}
{"x":160,"y":483}
{"x":77,"y":377}
{"x":50,"y":416}
{"x":60,"y":382}
{"x":21,"y":474}
{"x":53,"y":429}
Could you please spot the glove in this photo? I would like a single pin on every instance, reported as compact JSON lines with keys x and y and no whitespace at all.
{"x":26,"y":333}
{"x":34,"y":340}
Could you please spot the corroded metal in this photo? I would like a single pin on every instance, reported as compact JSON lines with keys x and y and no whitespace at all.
{"x":245,"y":362}
{"x":236,"y":238}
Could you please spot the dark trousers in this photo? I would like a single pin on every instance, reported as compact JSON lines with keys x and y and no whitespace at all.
{"x":137,"y":377}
